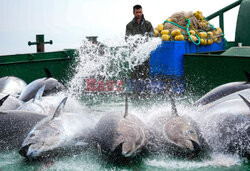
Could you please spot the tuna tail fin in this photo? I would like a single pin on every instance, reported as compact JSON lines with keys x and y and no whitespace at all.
{"x":59,"y":108}
{"x":173,"y":106}
{"x":245,"y":100}
{"x":39,"y":93}
{"x":48,"y":73}
{"x":126,"y":106}
{"x":3,"y":99}
{"x":247,"y":74}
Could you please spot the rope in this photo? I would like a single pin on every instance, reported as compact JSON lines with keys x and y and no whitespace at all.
{"x":199,"y":41}
{"x":174,"y":24}
{"x":187,"y":29}
{"x":193,"y":28}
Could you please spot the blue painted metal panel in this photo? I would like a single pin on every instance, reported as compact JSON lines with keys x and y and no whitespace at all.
{"x":166,"y":63}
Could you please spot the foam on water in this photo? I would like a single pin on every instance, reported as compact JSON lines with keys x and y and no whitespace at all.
{"x":7,"y":158}
{"x":163,"y":163}
{"x":217,"y":160}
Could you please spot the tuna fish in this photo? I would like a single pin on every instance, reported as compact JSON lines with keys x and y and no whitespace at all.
{"x":12,"y":85}
{"x":224,"y":90}
{"x":176,"y":135}
{"x":9,"y":102}
{"x":57,"y":132}
{"x":120,"y":137}
{"x":51,"y":85}
{"x":34,"y":104}
{"x":14,"y":127}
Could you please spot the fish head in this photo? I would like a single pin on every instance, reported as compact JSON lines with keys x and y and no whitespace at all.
{"x":181,"y":132}
{"x":41,"y":140}
{"x":130,"y":137}
{"x":52,"y":86}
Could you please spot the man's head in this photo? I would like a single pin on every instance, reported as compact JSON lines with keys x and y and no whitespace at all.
{"x":137,"y":11}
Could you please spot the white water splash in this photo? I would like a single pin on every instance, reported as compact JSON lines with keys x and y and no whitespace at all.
{"x":217,"y":160}
{"x":100,"y":62}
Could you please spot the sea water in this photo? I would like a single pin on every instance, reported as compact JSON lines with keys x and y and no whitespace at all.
{"x":105,"y":64}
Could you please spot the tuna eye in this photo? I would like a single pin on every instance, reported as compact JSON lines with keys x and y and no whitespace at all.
{"x":191,"y":132}
{"x":117,"y":134}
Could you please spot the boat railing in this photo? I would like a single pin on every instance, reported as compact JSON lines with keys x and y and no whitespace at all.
{"x":221,"y":12}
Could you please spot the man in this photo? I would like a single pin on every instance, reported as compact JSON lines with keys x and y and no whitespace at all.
{"x":142,"y":27}
{"x":139,"y":25}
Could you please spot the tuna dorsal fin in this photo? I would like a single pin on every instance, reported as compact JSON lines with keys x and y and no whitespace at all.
{"x":173,"y":106}
{"x":48,"y":73}
{"x":247,"y":74}
{"x":60,"y":108}
{"x":245,"y":100}
{"x":39,"y":93}
{"x":126,"y":106}
{"x":3,"y":99}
